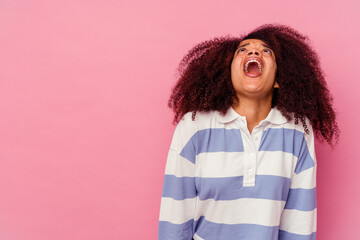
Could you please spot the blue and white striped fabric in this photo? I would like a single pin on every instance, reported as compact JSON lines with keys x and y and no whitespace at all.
{"x":223,"y":183}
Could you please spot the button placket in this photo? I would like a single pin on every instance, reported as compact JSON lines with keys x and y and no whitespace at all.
{"x":250,"y":155}
{"x":250,"y":166}
{"x":251,"y":161}
{"x":256,"y":137}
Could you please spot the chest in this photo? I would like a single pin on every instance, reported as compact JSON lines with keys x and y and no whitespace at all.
{"x":233,"y":163}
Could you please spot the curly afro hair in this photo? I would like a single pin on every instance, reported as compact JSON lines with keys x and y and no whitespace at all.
{"x":204,"y":82}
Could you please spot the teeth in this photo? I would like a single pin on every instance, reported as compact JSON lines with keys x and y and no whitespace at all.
{"x":253,"y":60}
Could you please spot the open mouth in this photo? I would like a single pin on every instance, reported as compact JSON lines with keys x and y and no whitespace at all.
{"x":253,"y":67}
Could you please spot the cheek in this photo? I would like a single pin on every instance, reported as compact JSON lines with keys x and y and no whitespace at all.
{"x":232,"y":67}
{"x":273,"y":66}
{"x":236,"y":63}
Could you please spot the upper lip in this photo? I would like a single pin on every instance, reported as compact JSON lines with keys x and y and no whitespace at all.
{"x":254,"y":58}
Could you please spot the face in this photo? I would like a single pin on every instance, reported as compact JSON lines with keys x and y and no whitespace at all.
{"x":253,"y":69}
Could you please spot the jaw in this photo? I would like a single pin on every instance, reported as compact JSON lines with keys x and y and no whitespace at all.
{"x":257,"y":86}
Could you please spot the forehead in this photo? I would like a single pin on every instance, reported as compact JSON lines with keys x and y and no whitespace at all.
{"x":253,"y":41}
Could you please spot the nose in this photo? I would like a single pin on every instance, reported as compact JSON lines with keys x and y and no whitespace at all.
{"x":254,"y":51}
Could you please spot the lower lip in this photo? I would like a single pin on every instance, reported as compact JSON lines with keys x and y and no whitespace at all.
{"x":252,"y":75}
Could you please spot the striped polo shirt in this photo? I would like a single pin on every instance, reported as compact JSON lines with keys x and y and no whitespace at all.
{"x":223,"y":183}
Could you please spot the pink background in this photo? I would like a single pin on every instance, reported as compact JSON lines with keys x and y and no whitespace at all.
{"x":84,"y":123}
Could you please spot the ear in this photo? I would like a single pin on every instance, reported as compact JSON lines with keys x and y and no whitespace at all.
{"x":276,"y":85}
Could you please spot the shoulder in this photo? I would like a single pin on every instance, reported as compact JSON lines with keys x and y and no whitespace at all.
{"x":188,"y":126}
{"x":302,"y":138}
{"x":200,"y":121}
{"x":299,"y":126}
{"x":279,"y":119}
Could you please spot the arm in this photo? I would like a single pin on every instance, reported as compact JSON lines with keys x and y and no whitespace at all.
{"x":179,"y":193}
{"x":298,"y":220}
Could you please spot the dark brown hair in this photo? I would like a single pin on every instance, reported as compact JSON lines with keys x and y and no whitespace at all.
{"x":204,"y":82}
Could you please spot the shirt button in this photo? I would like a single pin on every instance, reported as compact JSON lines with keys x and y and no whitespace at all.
{"x":256,"y":138}
{"x":250,"y":170}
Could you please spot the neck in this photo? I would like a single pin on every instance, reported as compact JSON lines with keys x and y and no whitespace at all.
{"x":254,"y":110}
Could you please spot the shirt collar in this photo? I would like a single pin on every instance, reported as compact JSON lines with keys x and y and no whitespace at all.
{"x":274,"y":116}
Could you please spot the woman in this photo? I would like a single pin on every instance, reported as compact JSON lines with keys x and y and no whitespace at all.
{"x":242,"y":163}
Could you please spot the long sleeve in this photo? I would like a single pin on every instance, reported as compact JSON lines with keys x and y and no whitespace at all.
{"x":298,"y":220}
{"x":179,"y":192}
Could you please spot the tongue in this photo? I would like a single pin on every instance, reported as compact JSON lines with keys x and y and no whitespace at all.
{"x":253,"y":70}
